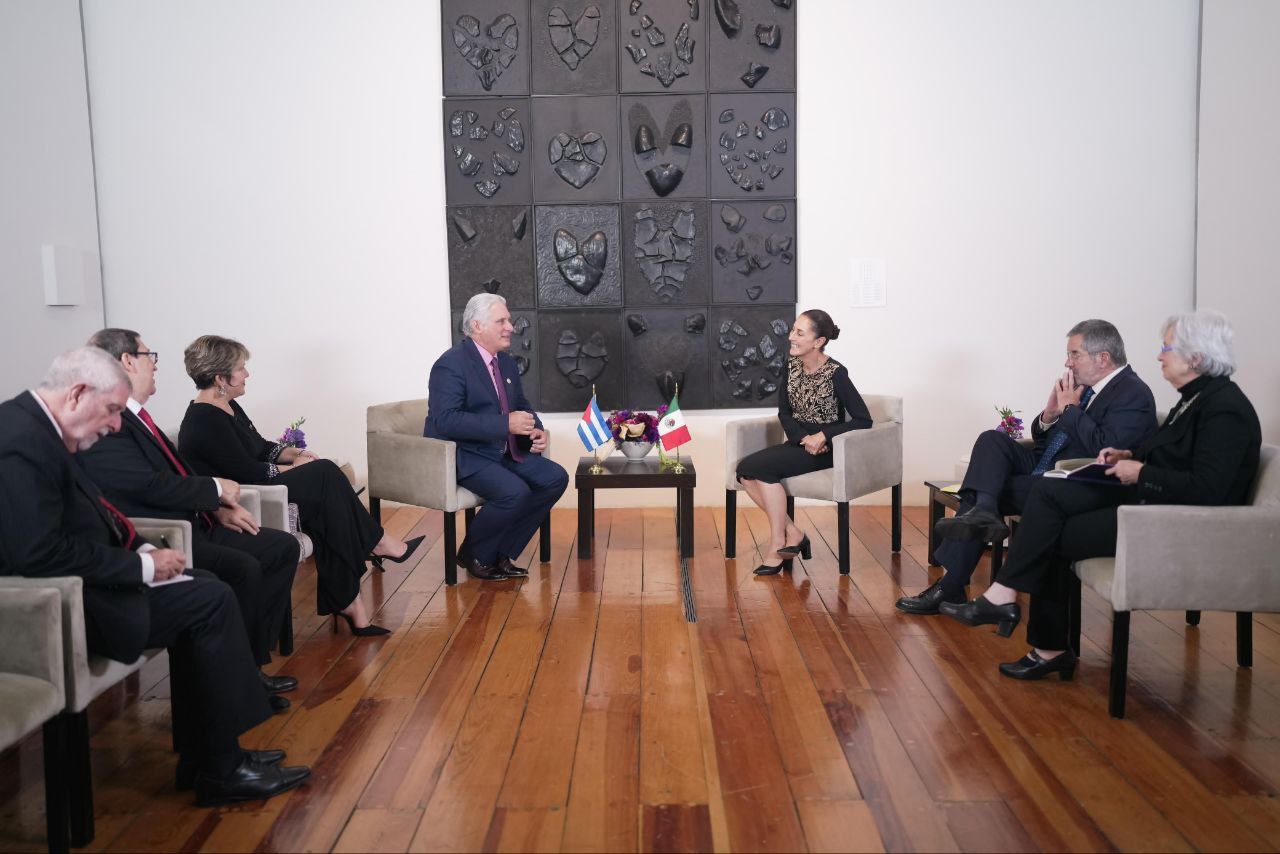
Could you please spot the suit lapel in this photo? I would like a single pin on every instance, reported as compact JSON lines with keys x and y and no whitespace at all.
{"x":1107,"y":393}
{"x":481,"y":370}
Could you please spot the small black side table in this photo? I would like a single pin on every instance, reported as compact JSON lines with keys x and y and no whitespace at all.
{"x":939,"y":503}
{"x":621,"y":473}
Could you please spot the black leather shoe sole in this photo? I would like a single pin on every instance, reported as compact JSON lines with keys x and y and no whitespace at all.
{"x":279,"y":705}
{"x":220,"y":793}
{"x":1032,"y":666}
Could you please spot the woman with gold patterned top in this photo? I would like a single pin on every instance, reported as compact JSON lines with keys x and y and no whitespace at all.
{"x":817,"y":404}
{"x":220,"y":440}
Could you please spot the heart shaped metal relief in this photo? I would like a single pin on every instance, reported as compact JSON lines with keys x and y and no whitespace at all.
{"x":573,"y":40}
{"x":581,"y":264}
{"x":577,"y":160}
{"x":488,"y":51}
{"x":581,"y":362}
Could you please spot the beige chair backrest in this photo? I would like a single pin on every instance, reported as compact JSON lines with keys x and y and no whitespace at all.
{"x":406,"y":417}
{"x":1266,"y":487}
{"x":883,"y":408}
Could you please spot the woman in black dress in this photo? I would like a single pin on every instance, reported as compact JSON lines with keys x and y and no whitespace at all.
{"x":817,"y":404}
{"x":1206,"y":452}
{"x":220,"y":440}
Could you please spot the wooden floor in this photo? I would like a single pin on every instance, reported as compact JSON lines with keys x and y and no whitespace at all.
{"x":580,"y":711}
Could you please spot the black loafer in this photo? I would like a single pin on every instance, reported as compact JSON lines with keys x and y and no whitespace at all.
{"x":973,"y":524}
{"x":279,"y":705}
{"x":980,"y":612}
{"x":482,"y":571}
{"x":510,"y":569}
{"x":251,"y":781}
{"x":928,"y":600}
{"x":278,"y":684}
{"x":1033,"y":666}
{"x":184,"y":779}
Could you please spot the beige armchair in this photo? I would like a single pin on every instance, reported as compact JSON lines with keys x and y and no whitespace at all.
{"x":86,"y":676}
{"x":407,"y":467}
{"x":33,"y":693}
{"x":864,"y":461}
{"x":1181,"y":557}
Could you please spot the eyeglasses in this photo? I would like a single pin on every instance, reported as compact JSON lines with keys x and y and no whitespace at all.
{"x":152,"y":354}
{"x":1165,"y":348}
{"x":1076,"y":355}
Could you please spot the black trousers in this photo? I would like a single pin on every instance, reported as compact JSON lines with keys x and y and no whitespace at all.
{"x":259,"y":569}
{"x":343,"y":532}
{"x":998,"y":466}
{"x":1062,"y":522}
{"x":214,"y":685}
{"x":773,"y":464}
{"x":517,"y":498}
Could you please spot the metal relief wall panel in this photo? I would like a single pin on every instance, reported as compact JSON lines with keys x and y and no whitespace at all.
{"x":623,"y":173}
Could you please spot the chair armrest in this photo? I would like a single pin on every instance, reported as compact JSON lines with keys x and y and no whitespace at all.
{"x":414,"y":470}
{"x":31,"y":636}
{"x":75,"y":651}
{"x":743,"y":438}
{"x":176,"y":532}
{"x":1178,"y":557}
{"x":272,"y":504}
{"x":866,"y":461}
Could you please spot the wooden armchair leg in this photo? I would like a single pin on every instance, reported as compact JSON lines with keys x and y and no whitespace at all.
{"x":896,"y":492}
{"x":730,"y":523}
{"x":791,"y":507}
{"x":1193,"y":618}
{"x":80,"y":778}
{"x":57,"y":791}
{"x":842,"y":535}
{"x":450,"y":547}
{"x":1119,"y":661}
{"x":1244,"y":638}
{"x":544,"y":540}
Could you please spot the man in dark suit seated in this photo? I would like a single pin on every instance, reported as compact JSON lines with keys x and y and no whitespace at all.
{"x":141,"y":472}
{"x":54,"y":521}
{"x":476,"y":400}
{"x":1098,"y":403}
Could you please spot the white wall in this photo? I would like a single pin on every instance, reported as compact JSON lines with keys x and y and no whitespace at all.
{"x":46,"y":185}
{"x":1238,"y":269}
{"x":280,"y":181}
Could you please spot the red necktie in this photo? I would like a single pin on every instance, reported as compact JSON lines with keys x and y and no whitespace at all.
{"x":164,"y":446}
{"x":122,"y":528}
{"x":512,"y":448}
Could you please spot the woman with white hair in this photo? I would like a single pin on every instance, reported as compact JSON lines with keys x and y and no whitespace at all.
{"x":1206,"y":453}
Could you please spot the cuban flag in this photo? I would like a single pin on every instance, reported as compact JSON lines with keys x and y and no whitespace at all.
{"x":672,"y":430}
{"x":591,"y":429}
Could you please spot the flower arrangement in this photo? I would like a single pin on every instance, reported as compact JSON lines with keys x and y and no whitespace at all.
{"x":293,"y":435}
{"x":629,"y":425}
{"x":1010,"y":424}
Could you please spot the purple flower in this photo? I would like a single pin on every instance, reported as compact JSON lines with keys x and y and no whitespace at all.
{"x":293,"y":436}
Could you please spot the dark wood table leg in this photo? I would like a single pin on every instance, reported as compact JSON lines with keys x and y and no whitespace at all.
{"x":685,"y":501}
{"x":585,"y":514}
{"x":935,"y":513}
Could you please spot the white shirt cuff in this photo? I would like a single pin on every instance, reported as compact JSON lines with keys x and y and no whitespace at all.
{"x":217,"y":484}
{"x":148,"y":563}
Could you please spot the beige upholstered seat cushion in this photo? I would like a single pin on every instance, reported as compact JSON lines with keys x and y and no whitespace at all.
{"x":25,"y":704}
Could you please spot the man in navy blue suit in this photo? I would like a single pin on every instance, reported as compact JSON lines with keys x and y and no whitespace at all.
{"x":1098,"y":403}
{"x":477,"y":401}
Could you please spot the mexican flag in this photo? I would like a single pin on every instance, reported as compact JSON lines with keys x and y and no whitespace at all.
{"x":672,"y":430}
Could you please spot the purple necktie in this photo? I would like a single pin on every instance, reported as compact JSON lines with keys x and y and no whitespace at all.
{"x":512,"y":449}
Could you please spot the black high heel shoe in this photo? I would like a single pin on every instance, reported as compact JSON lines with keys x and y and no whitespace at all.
{"x":801,"y":549}
{"x":369,"y":631}
{"x":980,"y":612}
{"x":409,"y":548}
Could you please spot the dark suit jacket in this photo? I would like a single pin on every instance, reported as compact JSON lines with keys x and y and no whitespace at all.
{"x":52,"y":523}
{"x":463,"y":406}
{"x":1120,"y":416}
{"x":1207,"y":454}
{"x":137,"y":478}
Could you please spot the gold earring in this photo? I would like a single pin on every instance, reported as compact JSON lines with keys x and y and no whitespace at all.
{"x":222,"y":391}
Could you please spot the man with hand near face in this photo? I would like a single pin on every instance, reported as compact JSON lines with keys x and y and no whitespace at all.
{"x":1098,"y":402}
{"x":142,"y":473}
{"x":477,"y":401}
{"x":54,"y":521}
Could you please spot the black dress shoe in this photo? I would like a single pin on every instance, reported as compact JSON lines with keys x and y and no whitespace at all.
{"x":974,"y":524}
{"x":1033,"y":666}
{"x":482,"y":571}
{"x":928,"y":600}
{"x":251,"y":781}
{"x":980,"y":612}
{"x":184,"y":779}
{"x":279,"y":705}
{"x":511,"y":570}
{"x":278,"y":684}
{"x":766,"y":569}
